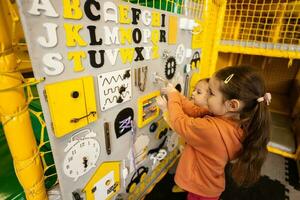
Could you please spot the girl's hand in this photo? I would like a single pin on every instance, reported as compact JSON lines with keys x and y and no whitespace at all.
{"x":166,"y":90}
{"x":162,"y":103}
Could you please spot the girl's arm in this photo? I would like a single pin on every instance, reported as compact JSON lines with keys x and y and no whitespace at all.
{"x":188,"y":107}
{"x":191,"y":109}
{"x":195,"y":131}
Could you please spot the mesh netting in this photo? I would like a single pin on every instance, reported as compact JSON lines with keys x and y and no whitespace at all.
{"x":41,"y":135}
{"x":268,"y":24}
{"x":40,"y":131}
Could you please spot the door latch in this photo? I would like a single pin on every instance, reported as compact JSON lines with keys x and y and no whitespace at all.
{"x":75,"y":120}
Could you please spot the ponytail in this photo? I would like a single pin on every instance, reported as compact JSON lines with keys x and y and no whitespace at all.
{"x":246,"y":170}
{"x":246,"y":85}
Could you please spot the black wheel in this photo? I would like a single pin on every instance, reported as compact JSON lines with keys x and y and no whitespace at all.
{"x":170,"y":68}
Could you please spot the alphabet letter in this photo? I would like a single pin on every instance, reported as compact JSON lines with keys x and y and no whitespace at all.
{"x":93,"y":62}
{"x":163,"y":16}
{"x":139,"y":55}
{"x":162,"y":36}
{"x":155,"y":53}
{"x":146,"y":17}
{"x":112,"y":8}
{"x":72,"y":9}
{"x":155,"y":37}
{"x":137,"y":35}
{"x":147,"y":52}
{"x":111,"y":37}
{"x":51,"y":30}
{"x":123,"y":14}
{"x":92,"y":30}
{"x":126,"y":54}
{"x":88,"y":11}
{"x":72,"y":35}
{"x":112,"y":55}
{"x":135,"y":15}
{"x":53,"y":64}
{"x":146,"y":34}
{"x":44,"y":5}
{"x":76,"y":56}
{"x":155,"y":18}
{"x":126,"y":34}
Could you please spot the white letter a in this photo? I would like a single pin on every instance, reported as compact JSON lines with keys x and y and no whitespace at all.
{"x":44,"y":5}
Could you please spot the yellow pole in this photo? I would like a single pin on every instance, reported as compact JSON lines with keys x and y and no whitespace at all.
{"x":15,"y":117}
{"x":213,"y":15}
{"x":217,"y":36}
{"x":208,"y":19}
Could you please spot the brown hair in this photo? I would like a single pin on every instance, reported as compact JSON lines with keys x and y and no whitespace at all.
{"x":247,"y":86}
{"x":204,"y":79}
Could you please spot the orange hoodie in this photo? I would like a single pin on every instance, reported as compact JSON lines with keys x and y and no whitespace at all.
{"x":211,"y":143}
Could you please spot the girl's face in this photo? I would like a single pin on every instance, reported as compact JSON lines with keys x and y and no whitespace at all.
{"x":215,"y":101}
{"x":200,"y":94}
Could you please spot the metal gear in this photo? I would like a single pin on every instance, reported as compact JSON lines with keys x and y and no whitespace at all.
{"x":170,"y":68}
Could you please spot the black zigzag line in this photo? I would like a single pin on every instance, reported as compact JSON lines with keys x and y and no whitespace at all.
{"x":111,"y":100}
{"x":115,"y":97}
{"x":112,"y":79}
{"x":124,"y":94}
{"x":113,"y":90}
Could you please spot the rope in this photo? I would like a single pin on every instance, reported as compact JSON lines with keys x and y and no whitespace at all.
{"x":25,"y":83}
{"x":27,"y":162}
{"x":12,"y":116}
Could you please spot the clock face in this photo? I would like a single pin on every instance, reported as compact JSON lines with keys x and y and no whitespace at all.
{"x":81,"y":157}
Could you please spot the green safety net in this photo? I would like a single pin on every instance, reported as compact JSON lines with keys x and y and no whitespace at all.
{"x":174,"y":6}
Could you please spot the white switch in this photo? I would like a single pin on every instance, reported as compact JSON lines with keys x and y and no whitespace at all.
{"x":183,"y":23}
{"x":188,"y":53}
{"x":191,"y":24}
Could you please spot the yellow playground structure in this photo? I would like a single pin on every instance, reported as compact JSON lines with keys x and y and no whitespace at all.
{"x":263,"y":33}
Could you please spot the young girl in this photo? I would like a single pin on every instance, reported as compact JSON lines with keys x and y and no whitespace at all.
{"x":237,"y":129}
{"x":198,"y":98}
{"x":200,"y":93}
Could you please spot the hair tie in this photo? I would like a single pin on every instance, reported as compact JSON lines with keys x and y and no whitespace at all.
{"x":267,"y":98}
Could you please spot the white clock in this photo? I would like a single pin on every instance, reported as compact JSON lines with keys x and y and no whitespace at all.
{"x":83,"y":151}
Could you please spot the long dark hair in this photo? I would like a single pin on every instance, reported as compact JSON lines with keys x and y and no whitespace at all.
{"x":247,"y":85}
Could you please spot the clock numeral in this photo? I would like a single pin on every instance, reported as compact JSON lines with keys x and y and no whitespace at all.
{"x":82,"y":144}
{"x":70,"y":158}
{"x":74,"y":152}
{"x":85,"y":162}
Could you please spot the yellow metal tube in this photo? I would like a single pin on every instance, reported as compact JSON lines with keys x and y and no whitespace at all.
{"x":15,"y":117}
{"x":217,"y":36}
{"x":208,"y":19}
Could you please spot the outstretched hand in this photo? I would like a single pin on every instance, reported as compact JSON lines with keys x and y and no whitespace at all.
{"x":168,"y":89}
{"x":162,"y":103}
